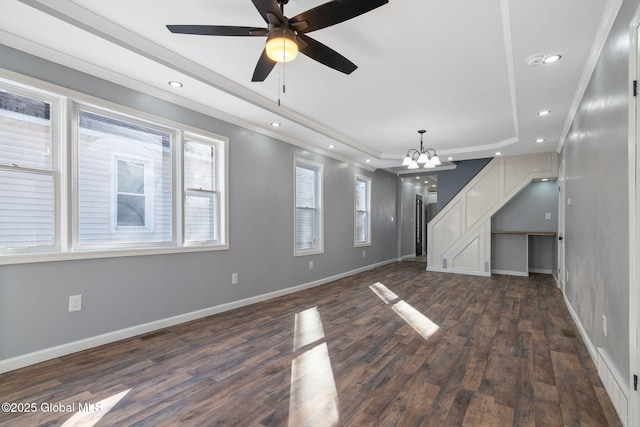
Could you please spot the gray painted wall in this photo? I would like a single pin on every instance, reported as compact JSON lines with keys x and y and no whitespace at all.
{"x":128,"y":291}
{"x":526,"y":212}
{"x":597,"y":223}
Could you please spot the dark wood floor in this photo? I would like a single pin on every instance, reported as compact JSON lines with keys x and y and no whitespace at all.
{"x":425,"y":349}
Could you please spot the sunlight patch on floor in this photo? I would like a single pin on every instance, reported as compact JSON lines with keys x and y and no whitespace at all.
{"x":308,"y":328}
{"x":384,"y":293}
{"x":418,"y":321}
{"x":90,"y":413}
{"x":313,"y":398}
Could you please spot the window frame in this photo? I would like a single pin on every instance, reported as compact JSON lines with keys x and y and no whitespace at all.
{"x":136,"y":119}
{"x":368,"y":181}
{"x":64,"y":152}
{"x":55,"y":119}
{"x":318,"y":169}
{"x":220,"y":191}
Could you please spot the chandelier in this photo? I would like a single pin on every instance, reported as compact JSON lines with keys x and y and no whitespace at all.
{"x":415,"y":158}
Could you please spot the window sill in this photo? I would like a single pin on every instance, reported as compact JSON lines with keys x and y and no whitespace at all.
{"x":25,"y":258}
{"x":308,"y":252}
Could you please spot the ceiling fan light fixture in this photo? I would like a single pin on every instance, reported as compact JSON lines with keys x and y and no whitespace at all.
{"x":281,"y":45}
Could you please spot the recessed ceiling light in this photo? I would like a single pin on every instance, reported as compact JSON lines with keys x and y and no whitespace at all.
{"x":368,"y":161}
{"x":498,"y":153}
{"x":544,"y":112}
{"x":332,"y":146}
{"x":540,"y":140}
{"x":552,"y":58}
{"x":175,"y":83}
{"x":449,"y":158}
{"x":433,"y":185}
{"x":276,"y":124}
{"x":545,"y":179}
{"x":426,"y":182}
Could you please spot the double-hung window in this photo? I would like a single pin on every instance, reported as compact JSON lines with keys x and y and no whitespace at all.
{"x":362,"y":211}
{"x":27,"y":173}
{"x":308,"y":208}
{"x":201,"y":191}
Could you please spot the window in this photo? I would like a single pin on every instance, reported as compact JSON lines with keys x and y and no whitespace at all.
{"x":107,"y":182}
{"x":308,"y":208}
{"x":130,"y":198}
{"x":27,"y":179}
{"x":362,"y":211}
{"x":124,"y":195}
{"x":202,"y":196}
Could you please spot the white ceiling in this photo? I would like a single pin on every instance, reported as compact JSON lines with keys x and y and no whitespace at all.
{"x":456,"y":68}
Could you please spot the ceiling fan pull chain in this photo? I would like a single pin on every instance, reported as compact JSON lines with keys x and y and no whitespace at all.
{"x":279,"y":89}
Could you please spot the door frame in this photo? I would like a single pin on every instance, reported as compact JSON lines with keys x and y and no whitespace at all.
{"x":560,"y":278}
{"x":634,"y":219}
{"x":418,"y":227}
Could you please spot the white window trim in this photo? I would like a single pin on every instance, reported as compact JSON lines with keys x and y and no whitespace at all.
{"x":320,"y":168}
{"x":222,"y":195}
{"x":369,"y":181}
{"x":62,"y":127}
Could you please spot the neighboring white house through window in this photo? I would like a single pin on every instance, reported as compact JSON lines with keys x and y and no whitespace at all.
{"x":130,"y":198}
{"x":362,"y":211}
{"x":124,"y":181}
{"x":308,"y":208}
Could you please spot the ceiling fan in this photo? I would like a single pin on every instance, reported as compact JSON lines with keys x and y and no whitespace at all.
{"x":286,"y":36}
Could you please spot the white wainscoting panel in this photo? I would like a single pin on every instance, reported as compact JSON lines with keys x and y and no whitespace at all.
{"x":459,"y":236}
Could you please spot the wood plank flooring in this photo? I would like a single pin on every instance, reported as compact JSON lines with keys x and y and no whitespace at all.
{"x":433,"y":350}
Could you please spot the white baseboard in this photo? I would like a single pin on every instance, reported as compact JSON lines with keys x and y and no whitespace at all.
{"x":458,"y":271}
{"x":606,"y":371}
{"x":510,"y":273}
{"x":21,"y":361}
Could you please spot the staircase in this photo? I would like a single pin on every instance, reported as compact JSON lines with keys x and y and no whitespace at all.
{"x":459,"y":236}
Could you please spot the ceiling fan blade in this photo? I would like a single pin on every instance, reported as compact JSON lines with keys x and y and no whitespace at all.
{"x":263,"y":67}
{"x":217,"y":30}
{"x":325,"y":55}
{"x":332,"y":13}
{"x":268,"y":6}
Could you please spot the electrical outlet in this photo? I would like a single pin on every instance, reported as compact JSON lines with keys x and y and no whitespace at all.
{"x":75,"y":303}
{"x":234,"y":278}
{"x":310,"y":265}
{"x":547,"y":215}
{"x":604,"y":325}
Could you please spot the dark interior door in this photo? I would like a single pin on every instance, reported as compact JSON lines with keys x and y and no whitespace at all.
{"x":418,"y":226}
